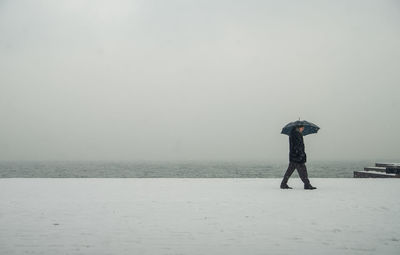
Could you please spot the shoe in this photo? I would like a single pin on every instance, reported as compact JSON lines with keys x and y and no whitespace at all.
{"x":309,"y":187}
{"x":285,"y":186}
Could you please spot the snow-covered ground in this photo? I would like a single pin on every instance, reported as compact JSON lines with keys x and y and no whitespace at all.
{"x":198,"y":216}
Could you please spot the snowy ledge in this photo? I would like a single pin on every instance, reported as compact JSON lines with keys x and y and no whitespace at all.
{"x":199,"y":216}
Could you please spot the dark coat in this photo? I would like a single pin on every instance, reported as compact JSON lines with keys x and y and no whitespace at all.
{"x":297,"y":153}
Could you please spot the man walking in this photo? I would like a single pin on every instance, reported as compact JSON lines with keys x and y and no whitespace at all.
{"x":297,"y":159}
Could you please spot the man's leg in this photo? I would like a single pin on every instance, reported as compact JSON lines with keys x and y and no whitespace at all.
{"x":288,"y":173}
{"x":302,"y":170}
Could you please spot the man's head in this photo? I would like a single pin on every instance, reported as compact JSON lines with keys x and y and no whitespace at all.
{"x":300,"y":128}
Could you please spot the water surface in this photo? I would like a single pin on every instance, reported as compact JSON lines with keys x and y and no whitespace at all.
{"x":172,"y":169}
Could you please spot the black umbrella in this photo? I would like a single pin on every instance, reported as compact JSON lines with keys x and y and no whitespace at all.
{"x":309,"y":128}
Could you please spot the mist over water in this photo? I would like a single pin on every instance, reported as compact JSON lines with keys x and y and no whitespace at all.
{"x":198,"y":80}
{"x":172,"y":169}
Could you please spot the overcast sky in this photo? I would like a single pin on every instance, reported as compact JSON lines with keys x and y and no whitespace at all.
{"x":166,"y":80}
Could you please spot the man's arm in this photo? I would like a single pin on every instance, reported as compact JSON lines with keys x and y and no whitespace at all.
{"x":298,"y":146}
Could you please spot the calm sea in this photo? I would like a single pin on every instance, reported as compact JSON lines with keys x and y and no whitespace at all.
{"x":172,"y":169}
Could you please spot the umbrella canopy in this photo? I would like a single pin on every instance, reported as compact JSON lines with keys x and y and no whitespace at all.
{"x":309,"y":128}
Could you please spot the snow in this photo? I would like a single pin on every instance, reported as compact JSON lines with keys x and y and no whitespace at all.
{"x":199,"y":216}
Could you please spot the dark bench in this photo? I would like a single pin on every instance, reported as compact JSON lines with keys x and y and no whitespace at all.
{"x":393,"y":169}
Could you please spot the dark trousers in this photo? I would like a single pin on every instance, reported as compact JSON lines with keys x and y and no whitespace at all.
{"x":301,"y":169}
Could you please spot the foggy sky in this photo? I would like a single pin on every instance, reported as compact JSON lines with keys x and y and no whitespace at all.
{"x":166,"y":80}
